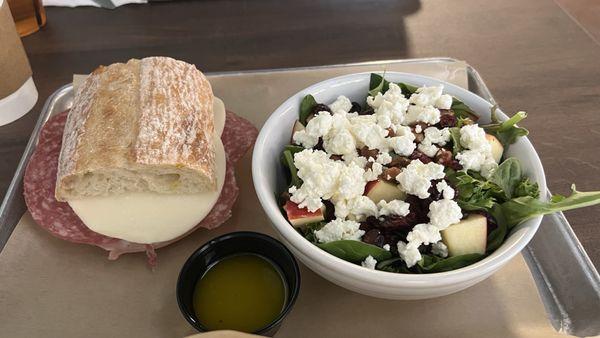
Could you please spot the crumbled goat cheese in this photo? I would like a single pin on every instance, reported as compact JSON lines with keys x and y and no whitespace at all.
{"x":416,"y":178}
{"x":317,"y":127}
{"x":369,"y":262}
{"x":370,"y":134}
{"x":394,"y":207}
{"x":428,"y":149}
{"x":339,"y":229}
{"x":427,"y":114}
{"x":386,"y":247}
{"x":424,"y":234}
{"x":351,"y":182}
{"x":390,"y":107}
{"x":420,"y":234}
{"x":409,"y":253}
{"x":320,"y":176}
{"x":446,"y":190}
{"x":360,"y":161}
{"x":444,"y":213}
{"x":444,"y":102}
{"x":426,"y":96}
{"x":357,"y":208}
{"x":437,"y":136}
{"x":478,"y":153}
{"x":341,"y":105}
{"x":384,"y":158}
{"x":373,"y":173}
{"x":403,"y":141}
{"x":439,"y":249}
{"x":340,"y":143}
{"x":418,"y":129}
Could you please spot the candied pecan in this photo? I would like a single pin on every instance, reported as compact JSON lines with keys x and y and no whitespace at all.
{"x":444,"y":157}
{"x":417,"y":155}
{"x":390,"y":174}
{"x":369,"y":165}
{"x":319,"y":145}
{"x":391,"y":132}
{"x":374,"y":237}
{"x":336,"y":157}
{"x":366,"y":152}
{"x":356,"y":108}
{"x":399,"y":161}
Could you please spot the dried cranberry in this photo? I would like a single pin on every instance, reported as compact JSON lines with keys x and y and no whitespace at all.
{"x":356,"y":108}
{"x":391,"y":132}
{"x":417,"y":155}
{"x":319,"y":145}
{"x":455,"y":165}
{"x":336,"y":157}
{"x":367,"y":111}
{"x":284,"y":197}
{"x":372,"y":222}
{"x":329,"y":211}
{"x":319,"y":107}
{"x":394,"y":222}
{"x":374,"y":237}
{"x":447,"y":118}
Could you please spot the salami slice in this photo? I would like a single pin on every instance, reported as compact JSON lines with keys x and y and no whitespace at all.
{"x":59,"y":219}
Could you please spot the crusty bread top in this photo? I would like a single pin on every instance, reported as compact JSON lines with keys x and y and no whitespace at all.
{"x":140,"y":121}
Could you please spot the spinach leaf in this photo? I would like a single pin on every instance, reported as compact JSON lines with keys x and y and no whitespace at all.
{"x":496,"y":237}
{"x":406,"y":88}
{"x":354,"y":251}
{"x":378,"y":84}
{"x":506,"y":132}
{"x":455,"y":135}
{"x":287,"y":158}
{"x":396,"y":265}
{"x":522,"y":208}
{"x":462,"y":111}
{"x":430,"y":263}
{"x":507,"y":176}
{"x":306,"y":106}
{"x":308,"y":231}
{"x":293,"y":148}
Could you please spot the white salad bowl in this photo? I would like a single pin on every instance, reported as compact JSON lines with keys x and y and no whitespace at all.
{"x":269,"y":180}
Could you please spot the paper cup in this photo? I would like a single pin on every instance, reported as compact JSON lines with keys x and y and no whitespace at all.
{"x":17,"y":90}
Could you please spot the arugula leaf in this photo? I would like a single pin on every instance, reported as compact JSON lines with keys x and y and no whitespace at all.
{"x":287,"y":158}
{"x":520,"y":209}
{"x":355,"y":251}
{"x":507,"y":176}
{"x":306,"y":106}
{"x":474,"y":193}
{"x":430,"y":263}
{"x":527,"y":188}
{"x":496,"y":237}
{"x":506,"y":132}
{"x":455,"y":135}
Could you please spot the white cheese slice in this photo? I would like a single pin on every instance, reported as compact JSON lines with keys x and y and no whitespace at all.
{"x":147,"y":217}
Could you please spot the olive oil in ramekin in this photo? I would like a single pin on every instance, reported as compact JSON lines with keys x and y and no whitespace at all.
{"x":244,"y":292}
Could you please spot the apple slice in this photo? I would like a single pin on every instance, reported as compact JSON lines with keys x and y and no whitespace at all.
{"x":497,"y":148}
{"x":467,"y":236}
{"x":299,"y":217}
{"x":383,"y":190}
{"x":297,"y":127}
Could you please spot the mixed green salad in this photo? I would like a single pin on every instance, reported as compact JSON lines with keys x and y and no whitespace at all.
{"x":407,"y":180}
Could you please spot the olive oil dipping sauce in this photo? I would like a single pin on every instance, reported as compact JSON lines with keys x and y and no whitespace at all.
{"x":245,"y":292}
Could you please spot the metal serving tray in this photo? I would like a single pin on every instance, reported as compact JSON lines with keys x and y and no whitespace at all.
{"x":567,"y":281}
